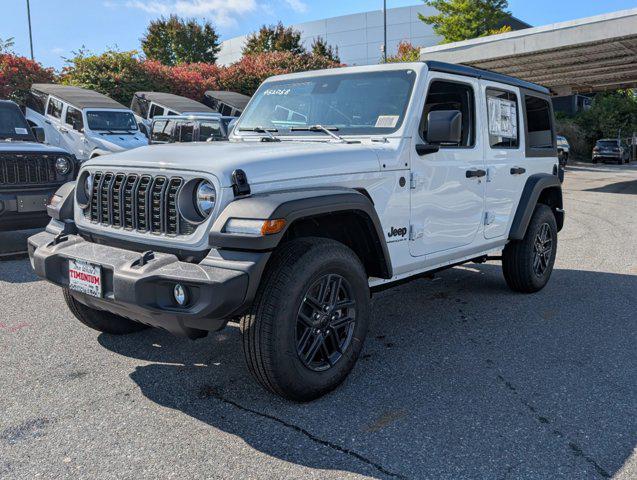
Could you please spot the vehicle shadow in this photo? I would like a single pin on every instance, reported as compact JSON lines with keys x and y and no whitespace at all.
{"x":13,"y":253}
{"x":459,"y":378}
{"x":628,"y":187}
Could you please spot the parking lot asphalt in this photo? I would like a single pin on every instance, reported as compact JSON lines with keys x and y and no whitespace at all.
{"x":459,"y":377}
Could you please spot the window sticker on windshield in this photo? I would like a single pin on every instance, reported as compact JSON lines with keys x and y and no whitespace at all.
{"x":21,"y":131}
{"x":387,"y":121}
{"x":503,"y":118}
{"x":277,"y":91}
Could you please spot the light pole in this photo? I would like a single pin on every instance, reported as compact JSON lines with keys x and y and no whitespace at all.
{"x":385,"y":31}
{"x":30,"y":34}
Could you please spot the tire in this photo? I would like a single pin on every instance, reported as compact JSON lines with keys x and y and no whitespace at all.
{"x":520,"y":257}
{"x":279,"y":333}
{"x":100,"y":320}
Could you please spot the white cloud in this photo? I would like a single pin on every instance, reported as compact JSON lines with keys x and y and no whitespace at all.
{"x":222,"y":12}
{"x":297,"y":5}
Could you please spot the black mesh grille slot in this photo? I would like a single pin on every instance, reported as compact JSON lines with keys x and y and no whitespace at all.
{"x":142,"y":203}
{"x":143,"y":190}
{"x":117,"y":192}
{"x":129,"y":204}
{"x":156,"y":203}
{"x":105,"y":199}
{"x":172,"y":215}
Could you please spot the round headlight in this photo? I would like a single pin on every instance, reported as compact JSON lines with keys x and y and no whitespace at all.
{"x":205,"y":198}
{"x":63,"y":166}
{"x":88,"y":185}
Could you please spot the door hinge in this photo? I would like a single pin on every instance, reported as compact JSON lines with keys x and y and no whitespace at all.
{"x":489,"y":174}
{"x":489,"y":218}
{"x":415,"y":181}
{"x":415,"y":232}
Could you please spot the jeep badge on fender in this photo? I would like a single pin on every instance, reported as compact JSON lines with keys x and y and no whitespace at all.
{"x":171,"y":236}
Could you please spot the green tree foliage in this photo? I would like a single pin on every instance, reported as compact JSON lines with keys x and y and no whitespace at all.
{"x":116,"y":74}
{"x":173,"y":41}
{"x":612,"y":113}
{"x":6,"y":46}
{"x":274,"y":38}
{"x":459,"y":20}
{"x":406,"y":53}
{"x":322,"y":49}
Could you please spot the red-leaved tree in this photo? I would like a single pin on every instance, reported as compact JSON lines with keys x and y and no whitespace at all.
{"x":17,"y":74}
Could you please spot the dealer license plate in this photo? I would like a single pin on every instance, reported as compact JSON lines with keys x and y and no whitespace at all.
{"x":85,"y":277}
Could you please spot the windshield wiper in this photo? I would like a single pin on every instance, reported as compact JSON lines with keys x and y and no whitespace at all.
{"x":320,"y":128}
{"x":267,"y":131}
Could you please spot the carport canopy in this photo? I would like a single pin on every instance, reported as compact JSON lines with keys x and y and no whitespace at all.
{"x":580,"y":56}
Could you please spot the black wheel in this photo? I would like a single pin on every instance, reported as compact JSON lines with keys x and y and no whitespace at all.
{"x":309,"y":319}
{"x":100,"y":320}
{"x":527,"y":264}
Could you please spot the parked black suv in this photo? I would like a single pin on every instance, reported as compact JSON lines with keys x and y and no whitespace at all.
{"x":30,"y":172}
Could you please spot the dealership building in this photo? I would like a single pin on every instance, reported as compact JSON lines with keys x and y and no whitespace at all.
{"x":359,"y":37}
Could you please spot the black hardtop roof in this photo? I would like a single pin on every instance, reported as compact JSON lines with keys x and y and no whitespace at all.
{"x":234,"y":99}
{"x":78,"y":97}
{"x":484,"y":74}
{"x":175,"y":102}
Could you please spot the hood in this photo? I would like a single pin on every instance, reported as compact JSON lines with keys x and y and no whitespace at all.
{"x":262,"y":161}
{"x":119,"y":142}
{"x":29,"y":147}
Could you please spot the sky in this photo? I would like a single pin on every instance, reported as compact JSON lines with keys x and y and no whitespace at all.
{"x":61,"y":27}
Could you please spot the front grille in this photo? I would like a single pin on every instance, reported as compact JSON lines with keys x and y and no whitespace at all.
{"x":27,"y":170}
{"x":134,"y":202}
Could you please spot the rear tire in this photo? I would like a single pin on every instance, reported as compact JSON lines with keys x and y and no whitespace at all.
{"x":100,"y":320}
{"x":527,"y":264}
{"x":309,"y":319}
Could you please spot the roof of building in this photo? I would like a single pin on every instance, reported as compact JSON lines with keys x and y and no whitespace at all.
{"x":234,"y":99}
{"x":78,"y":97}
{"x":484,"y":74}
{"x":175,"y":102}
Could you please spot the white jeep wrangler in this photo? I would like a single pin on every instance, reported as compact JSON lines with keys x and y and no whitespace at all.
{"x":334,"y":184}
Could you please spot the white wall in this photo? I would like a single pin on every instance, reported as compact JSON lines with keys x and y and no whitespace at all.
{"x":359,"y":37}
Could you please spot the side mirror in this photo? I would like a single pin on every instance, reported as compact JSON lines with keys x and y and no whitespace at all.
{"x":39,"y":134}
{"x":444,"y":126}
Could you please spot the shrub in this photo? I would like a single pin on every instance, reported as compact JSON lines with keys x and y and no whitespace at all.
{"x":406,"y":53}
{"x":116,"y":74}
{"x":18,"y":73}
{"x":247,"y":74}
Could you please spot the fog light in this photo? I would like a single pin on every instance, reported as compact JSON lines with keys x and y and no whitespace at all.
{"x":180,"y":294}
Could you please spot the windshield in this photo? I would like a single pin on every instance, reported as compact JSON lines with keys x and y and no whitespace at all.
{"x":13,"y":124}
{"x":369,"y":103}
{"x":111,"y":120}
{"x":607,"y":143}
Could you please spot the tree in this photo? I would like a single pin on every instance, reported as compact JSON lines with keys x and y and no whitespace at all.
{"x":274,"y":38}
{"x":610,"y":114}
{"x":406,"y":53}
{"x":173,"y":41}
{"x":459,"y":20}
{"x":6,"y":45}
{"x":321,"y":48}
{"x":17,"y":74}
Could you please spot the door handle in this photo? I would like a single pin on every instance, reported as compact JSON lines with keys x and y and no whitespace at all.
{"x":47,"y":122}
{"x":476,"y":173}
{"x":63,"y":130}
{"x":518,"y":170}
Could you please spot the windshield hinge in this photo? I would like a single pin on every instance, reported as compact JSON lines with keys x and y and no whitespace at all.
{"x":415,"y":181}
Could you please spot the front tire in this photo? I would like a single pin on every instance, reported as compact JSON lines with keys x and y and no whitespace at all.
{"x":100,"y":320}
{"x":527,"y":264}
{"x":309,"y":319}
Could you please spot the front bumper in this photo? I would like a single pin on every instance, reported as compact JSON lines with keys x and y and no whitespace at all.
{"x":145,"y":293}
{"x":15,"y":215}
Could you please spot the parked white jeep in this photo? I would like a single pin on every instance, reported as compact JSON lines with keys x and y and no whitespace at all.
{"x":83,"y":122}
{"x":335,"y":184}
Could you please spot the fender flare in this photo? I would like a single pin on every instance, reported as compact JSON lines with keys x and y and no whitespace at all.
{"x":293,"y":205}
{"x":533,"y":188}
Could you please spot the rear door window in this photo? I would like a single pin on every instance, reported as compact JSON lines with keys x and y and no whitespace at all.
{"x":36,"y":101}
{"x":502,"y":111}
{"x":55,"y":108}
{"x":74,"y":118}
{"x":539,"y":123}
{"x":156,"y":111}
